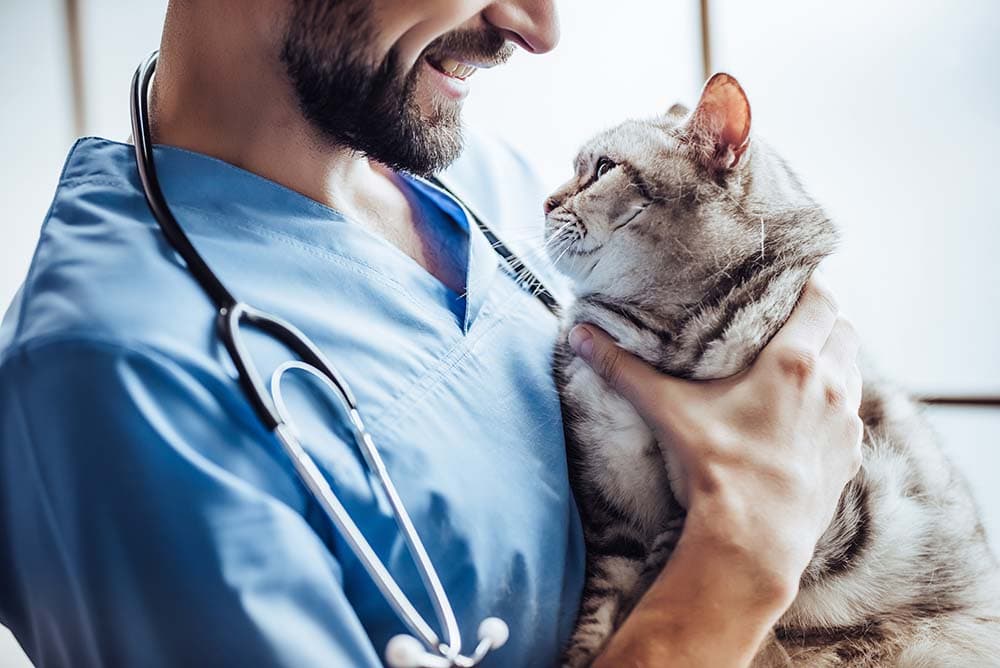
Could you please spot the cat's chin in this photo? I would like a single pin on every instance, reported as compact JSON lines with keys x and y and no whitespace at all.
{"x":575,"y":263}
{"x":577,"y":279}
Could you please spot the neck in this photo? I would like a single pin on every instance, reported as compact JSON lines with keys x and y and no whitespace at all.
{"x":224,"y":93}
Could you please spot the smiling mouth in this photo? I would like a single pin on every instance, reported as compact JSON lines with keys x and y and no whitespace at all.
{"x":452,"y":68}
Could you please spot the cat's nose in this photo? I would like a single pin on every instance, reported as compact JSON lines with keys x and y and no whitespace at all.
{"x":550,"y":204}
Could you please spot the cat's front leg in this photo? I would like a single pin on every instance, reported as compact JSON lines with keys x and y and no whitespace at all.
{"x":659,"y":555}
{"x":611,"y":579}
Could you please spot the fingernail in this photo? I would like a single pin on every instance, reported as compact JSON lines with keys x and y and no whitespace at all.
{"x":582,"y":341}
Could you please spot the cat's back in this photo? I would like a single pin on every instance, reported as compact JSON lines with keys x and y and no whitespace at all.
{"x":907,"y":577}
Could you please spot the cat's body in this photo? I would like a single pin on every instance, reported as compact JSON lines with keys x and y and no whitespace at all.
{"x":691,"y":246}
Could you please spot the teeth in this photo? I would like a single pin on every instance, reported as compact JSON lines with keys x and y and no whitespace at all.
{"x":453,"y":68}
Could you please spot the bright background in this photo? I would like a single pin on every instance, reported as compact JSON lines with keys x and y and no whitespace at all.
{"x":887,"y":108}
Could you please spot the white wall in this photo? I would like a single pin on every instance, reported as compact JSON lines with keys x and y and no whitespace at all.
{"x":35,"y":127}
{"x":887,"y":109}
{"x":117,"y":35}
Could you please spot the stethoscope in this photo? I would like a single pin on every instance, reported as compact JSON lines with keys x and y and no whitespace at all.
{"x":424,"y":648}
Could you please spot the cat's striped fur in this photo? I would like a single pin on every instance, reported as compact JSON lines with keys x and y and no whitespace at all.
{"x":690,"y":245}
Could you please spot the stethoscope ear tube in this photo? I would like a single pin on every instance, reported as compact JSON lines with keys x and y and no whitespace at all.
{"x":230,"y":312}
{"x":143,"y":141}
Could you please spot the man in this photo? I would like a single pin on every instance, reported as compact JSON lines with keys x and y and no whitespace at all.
{"x":147,"y":517}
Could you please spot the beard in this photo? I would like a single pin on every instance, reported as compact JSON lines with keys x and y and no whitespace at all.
{"x":367,"y":103}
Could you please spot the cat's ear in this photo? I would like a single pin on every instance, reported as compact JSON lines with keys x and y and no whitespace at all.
{"x":678,"y":110}
{"x":719,"y":127}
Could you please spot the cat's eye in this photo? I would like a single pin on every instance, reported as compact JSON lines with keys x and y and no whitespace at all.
{"x":604,"y":165}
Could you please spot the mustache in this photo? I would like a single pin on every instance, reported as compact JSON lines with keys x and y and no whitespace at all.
{"x":487,"y":46}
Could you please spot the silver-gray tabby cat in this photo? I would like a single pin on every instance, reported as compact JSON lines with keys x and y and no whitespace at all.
{"x":690,"y":244}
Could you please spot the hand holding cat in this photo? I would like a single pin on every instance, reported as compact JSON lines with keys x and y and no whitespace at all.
{"x":764,"y":457}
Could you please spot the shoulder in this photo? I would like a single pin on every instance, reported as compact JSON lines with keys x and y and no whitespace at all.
{"x":70,"y":405}
{"x":60,"y":372}
{"x":99,"y":267}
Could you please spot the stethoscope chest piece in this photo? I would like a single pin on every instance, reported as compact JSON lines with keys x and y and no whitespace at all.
{"x":405,"y":651}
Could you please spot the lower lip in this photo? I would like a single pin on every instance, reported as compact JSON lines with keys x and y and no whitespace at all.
{"x":454,"y":88}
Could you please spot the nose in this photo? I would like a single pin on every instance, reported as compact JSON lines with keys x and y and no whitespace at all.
{"x":550,"y":204}
{"x":532,"y":24}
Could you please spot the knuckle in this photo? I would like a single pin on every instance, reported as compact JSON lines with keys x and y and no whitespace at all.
{"x":835,"y":395}
{"x":796,"y":478}
{"x":848,"y":329}
{"x":847,"y":336}
{"x":610,"y":365}
{"x":825,"y":296}
{"x":859,"y":431}
{"x":797,"y":364}
{"x":715,"y":439}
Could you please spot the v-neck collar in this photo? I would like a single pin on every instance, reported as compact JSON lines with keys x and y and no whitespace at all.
{"x":231,"y":200}
{"x":482,"y":262}
{"x":234,"y":198}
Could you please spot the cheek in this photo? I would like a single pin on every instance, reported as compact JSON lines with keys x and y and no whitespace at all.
{"x":593,"y":211}
{"x":604,"y":206}
{"x":622,"y":264}
{"x":599,"y":199}
{"x":621,"y":207}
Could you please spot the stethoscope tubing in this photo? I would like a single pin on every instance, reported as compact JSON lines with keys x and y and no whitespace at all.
{"x":349,"y":530}
{"x":273,"y":412}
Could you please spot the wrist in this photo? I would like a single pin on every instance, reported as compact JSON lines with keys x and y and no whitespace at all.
{"x":757,"y":574}
{"x":746,"y":540}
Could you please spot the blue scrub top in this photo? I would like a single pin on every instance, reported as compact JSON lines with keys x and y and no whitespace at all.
{"x":146,"y":516}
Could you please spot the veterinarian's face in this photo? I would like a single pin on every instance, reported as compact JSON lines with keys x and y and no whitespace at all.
{"x":387,"y":78}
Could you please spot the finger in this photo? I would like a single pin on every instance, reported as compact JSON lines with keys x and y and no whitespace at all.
{"x":811,"y":321}
{"x":840,"y":358}
{"x":856,"y":439}
{"x":648,"y":390}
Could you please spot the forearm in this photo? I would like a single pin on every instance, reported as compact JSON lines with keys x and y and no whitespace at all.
{"x":711,"y":606}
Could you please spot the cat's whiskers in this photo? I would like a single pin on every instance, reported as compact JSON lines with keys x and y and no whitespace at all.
{"x":536,"y":252}
{"x":563,"y":252}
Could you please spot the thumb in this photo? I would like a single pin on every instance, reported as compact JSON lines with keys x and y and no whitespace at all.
{"x":650,"y":392}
